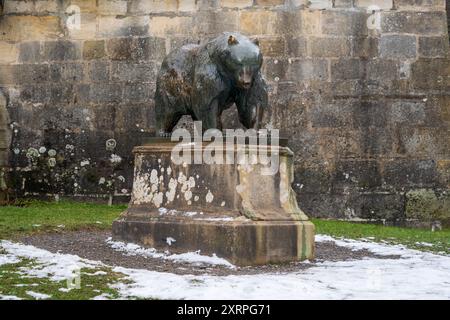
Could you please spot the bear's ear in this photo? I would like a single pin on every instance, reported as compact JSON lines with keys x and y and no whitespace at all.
{"x":232,"y":40}
{"x":256,"y":41}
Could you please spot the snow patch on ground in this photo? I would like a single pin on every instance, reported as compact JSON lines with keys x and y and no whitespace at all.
{"x":6,"y":297}
{"x":189,"y":257}
{"x":385,"y":249}
{"x":8,"y":259}
{"x":37,"y":295}
{"x":55,"y":266}
{"x":416,"y":275}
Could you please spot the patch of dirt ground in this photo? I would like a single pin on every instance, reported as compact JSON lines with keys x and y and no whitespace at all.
{"x":92,"y":245}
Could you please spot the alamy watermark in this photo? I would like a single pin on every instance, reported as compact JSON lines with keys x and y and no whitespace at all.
{"x":237,"y":146}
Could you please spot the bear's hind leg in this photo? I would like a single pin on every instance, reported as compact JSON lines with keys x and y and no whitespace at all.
{"x":211,"y":117}
{"x":167,"y":123}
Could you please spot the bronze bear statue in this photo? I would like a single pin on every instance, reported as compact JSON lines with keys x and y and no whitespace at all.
{"x":204,"y":80}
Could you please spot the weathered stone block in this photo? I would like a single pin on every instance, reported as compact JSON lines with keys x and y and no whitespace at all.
{"x":137,"y":92}
{"x":323,"y":205}
{"x":429,"y":74}
{"x":7,"y":74}
{"x":85,"y":5}
{"x":153,"y":6}
{"x":411,"y":113}
{"x":66,"y":72}
{"x":398,"y":46}
{"x":165,"y":26}
{"x":381,"y":206}
{"x":443,"y":103}
{"x":308,"y":69}
{"x":420,"y":4}
{"x":297,"y":47}
{"x":371,"y":114}
{"x":123,"y":26}
{"x":329,"y":47}
{"x":112,"y":7}
{"x":177,"y":42}
{"x":344,"y":23}
{"x":210,"y":23}
{"x":35,"y":94}
{"x":332,"y":115}
{"x":381,"y":4}
{"x":82,"y":93}
{"x":30,"y":52}
{"x":413,"y":22}
{"x":8,"y":52}
{"x":296,"y":3}
{"x":259,"y":22}
{"x":19,"y":28}
{"x":382,"y":69}
{"x":269,"y":2}
{"x":272,"y":47}
{"x":365,"y":47}
{"x":149,"y":48}
{"x":320,"y":4}
{"x":19,"y":7}
{"x":443,"y":168}
{"x":403,"y":173}
{"x":46,"y":6}
{"x":133,"y":117}
{"x":61,"y":93}
{"x":87,"y":28}
{"x":109,"y":92}
{"x":119,"y":49}
{"x":289,"y":22}
{"x":343,"y":3}
{"x":433,"y":46}
{"x":275,"y":69}
{"x":236,"y":3}
{"x":31,"y":73}
{"x":99,"y":71}
{"x":61,"y":50}
{"x":347,"y":143}
{"x":377,"y":141}
{"x":346,"y":88}
{"x":346,"y":69}
{"x":124,"y":71}
{"x":310,"y":22}
{"x":420,"y":142}
{"x":277,"y":242}
{"x":93,"y":49}
{"x":314,"y":177}
{"x":187,"y":5}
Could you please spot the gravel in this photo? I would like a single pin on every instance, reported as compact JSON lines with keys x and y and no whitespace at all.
{"x":92,"y":245}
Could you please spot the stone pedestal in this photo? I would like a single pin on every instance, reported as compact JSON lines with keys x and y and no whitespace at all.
{"x":232,"y":210}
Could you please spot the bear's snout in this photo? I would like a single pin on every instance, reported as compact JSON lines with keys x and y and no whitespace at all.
{"x":245,"y":79}
{"x":246,"y":84}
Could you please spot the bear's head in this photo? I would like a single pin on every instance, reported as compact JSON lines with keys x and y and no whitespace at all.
{"x":241,"y":59}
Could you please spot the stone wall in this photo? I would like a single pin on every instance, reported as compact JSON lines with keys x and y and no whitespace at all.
{"x":364,"y":97}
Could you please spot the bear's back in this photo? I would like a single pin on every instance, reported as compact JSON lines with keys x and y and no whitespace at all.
{"x":181,"y":59}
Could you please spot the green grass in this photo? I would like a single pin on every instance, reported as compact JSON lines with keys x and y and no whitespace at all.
{"x":439,"y":240}
{"x":36,"y":217}
{"x":40,"y":216}
{"x":13,"y":283}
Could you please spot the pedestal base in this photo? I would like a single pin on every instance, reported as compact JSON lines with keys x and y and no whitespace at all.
{"x":235,"y":209}
{"x":242,"y":242}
